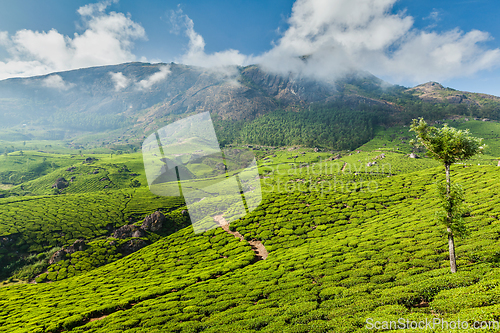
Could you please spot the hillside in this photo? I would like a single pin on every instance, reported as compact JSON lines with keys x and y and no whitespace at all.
{"x":346,"y":242}
{"x":118,"y":105}
{"x":156,"y":90}
{"x":434,"y":92}
{"x":334,"y":261}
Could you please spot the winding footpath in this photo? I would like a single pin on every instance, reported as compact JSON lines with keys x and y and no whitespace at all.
{"x":257,"y":246}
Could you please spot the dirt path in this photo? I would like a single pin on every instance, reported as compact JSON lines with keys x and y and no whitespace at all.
{"x":100,"y":318}
{"x":257,"y":246}
{"x":343,"y":167}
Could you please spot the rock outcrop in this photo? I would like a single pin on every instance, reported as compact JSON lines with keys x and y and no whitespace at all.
{"x":78,"y":245}
{"x":57,"y":256}
{"x":132,"y":246}
{"x":89,"y":160}
{"x":128,"y":231}
{"x":154,"y":222}
{"x":60,"y":183}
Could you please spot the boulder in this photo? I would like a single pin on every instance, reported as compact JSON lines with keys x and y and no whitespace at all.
{"x":57,"y":256}
{"x":132,"y":246}
{"x":154,"y":222}
{"x":413,"y":155}
{"x":127,"y":231}
{"x":78,"y":245}
{"x":139,"y":233}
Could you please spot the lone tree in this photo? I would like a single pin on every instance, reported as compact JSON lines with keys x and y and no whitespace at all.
{"x":448,"y":145}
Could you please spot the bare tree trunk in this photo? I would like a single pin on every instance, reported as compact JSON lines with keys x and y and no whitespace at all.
{"x":448,"y":181}
{"x":451,"y":242}
{"x":451,"y":248}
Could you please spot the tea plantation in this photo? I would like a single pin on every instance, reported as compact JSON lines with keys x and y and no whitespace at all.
{"x":334,"y":261}
{"x":352,"y":237}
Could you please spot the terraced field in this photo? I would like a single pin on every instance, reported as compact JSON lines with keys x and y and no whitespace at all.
{"x":351,"y":238}
{"x":334,"y":261}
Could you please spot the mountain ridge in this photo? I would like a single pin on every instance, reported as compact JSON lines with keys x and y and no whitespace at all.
{"x":435,"y":92}
{"x":128,"y":101}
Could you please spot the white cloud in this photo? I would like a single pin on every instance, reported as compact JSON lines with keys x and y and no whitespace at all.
{"x":154,"y":78}
{"x":107,"y":39}
{"x":120,"y":81}
{"x":433,"y":16}
{"x":57,"y":82}
{"x":434,"y":56}
{"x":195,"y":54}
{"x":93,"y":8}
{"x":339,"y":36}
{"x":336,"y":36}
{"x":363,"y":34}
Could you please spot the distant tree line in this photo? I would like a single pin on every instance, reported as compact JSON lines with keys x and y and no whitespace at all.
{"x":343,"y":124}
{"x":333,"y":125}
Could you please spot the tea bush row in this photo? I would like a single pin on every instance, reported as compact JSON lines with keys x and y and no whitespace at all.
{"x":331,"y":276}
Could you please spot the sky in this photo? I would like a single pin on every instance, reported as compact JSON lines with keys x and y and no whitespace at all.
{"x":406,"y":42}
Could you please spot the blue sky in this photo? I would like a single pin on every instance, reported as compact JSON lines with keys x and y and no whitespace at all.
{"x":407,"y":42}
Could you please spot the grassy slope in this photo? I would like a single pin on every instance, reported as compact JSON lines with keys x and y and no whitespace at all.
{"x":390,"y":139}
{"x":41,"y":222}
{"x":490,"y":131}
{"x":106,"y":172}
{"x":334,"y":261}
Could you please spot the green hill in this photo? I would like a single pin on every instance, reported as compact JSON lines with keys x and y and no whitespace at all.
{"x":335,"y":260}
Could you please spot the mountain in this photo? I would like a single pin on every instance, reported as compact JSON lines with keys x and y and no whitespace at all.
{"x":434,"y":92}
{"x":128,"y":101}
{"x":241,"y":93}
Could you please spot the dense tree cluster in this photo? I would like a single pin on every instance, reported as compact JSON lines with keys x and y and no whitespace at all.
{"x":333,"y":125}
